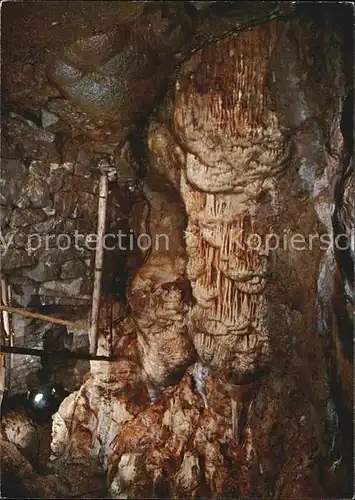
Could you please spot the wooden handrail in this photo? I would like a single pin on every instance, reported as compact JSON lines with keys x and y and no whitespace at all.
{"x":43,"y":317}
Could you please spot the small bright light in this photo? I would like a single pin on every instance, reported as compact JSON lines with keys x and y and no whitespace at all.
{"x":38,"y":397}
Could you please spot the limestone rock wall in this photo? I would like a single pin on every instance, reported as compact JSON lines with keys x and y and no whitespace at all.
{"x":49,"y":202}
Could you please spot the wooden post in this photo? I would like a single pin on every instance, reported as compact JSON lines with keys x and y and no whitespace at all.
{"x":8,"y":364}
{"x":2,"y":362}
{"x":5,"y":312}
{"x":99,"y":256}
{"x":2,"y":377}
{"x":11,"y":328}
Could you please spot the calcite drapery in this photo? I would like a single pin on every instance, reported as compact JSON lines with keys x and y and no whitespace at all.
{"x":158,"y":295}
{"x":235,"y":148}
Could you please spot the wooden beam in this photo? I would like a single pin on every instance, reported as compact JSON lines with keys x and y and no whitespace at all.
{"x":43,"y":317}
{"x":2,"y":377}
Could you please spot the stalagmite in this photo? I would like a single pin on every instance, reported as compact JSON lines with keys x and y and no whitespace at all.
{"x":236,"y":410}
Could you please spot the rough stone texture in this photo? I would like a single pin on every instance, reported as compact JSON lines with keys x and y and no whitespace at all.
{"x":232,"y":374}
{"x":17,"y":429}
{"x":104,"y":75}
{"x":20,"y":478}
{"x":46,"y":205}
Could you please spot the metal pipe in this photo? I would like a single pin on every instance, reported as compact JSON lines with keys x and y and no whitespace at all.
{"x":25,"y":351}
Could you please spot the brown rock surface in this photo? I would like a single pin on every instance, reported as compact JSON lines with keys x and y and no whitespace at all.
{"x":232,"y":372}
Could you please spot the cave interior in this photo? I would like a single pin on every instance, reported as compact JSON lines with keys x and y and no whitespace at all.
{"x":177,"y":249}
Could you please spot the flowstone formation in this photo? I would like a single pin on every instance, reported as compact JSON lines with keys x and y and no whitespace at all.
{"x":234,"y":147}
{"x":255,"y":415}
{"x":111,"y":79}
